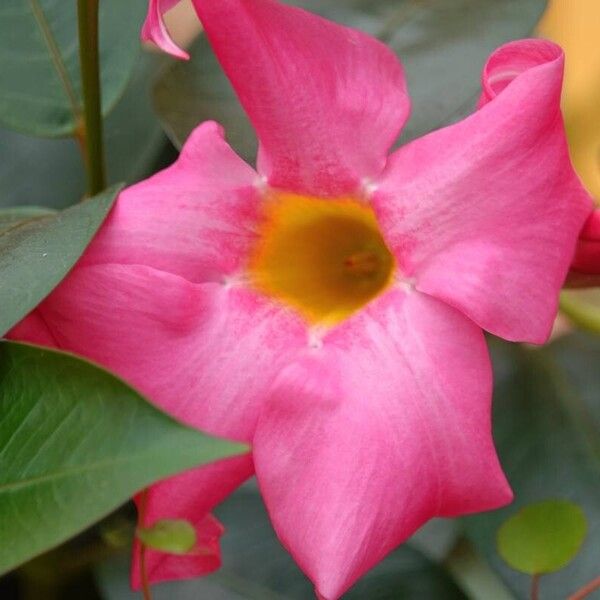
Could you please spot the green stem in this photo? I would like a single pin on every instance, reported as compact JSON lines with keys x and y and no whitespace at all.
{"x":146,"y":591}
{"x":91,"y":128}
{"x":473,"y":574}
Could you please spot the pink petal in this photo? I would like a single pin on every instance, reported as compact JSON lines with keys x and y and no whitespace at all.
{"x":587,"y":253}
{"x":189,"y":495}
{"x":367,"y":437}
{"x":203,"y":559}
{"x":204,"y":353}
{"x":195,"y":219}
{"x":33,"y":329}
{"x":326,"y":101}
{"x":154,"y":29}
{"x":485,"y":214}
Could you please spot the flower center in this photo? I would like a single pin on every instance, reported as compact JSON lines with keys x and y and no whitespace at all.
{"x":325,"y":258}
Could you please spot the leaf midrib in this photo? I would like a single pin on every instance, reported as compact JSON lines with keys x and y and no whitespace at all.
{"x":56,"y":58}
{"x":20,"y":224}
{"x":65,"y":473}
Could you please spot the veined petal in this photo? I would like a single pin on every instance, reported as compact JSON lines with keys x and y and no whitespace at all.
{"x":195,"y":219}
{"x":189,"y":495}
{"x":204,"y":353}
{"x":367,"y":437}
{"x":154,"y":28}
{"x":33,"y":329}
{"x":485,"y":214}
{"x":327,"y":102}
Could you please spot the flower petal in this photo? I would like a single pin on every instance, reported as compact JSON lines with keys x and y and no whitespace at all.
{"x":189,"y":495}
{"x":194,"y":219}
{"x":587,"y":254}
{"x":204,"y":353}
{"x":367,"y":437}
{"x":154,"y":29}
{"x":34,"y":330}
{"x":485,"y":214}
{"x":204,"y":558}
{"x":327,"y":102}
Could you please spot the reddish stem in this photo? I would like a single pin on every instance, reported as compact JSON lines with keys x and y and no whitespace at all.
{"x":535,"y":587}
{"x":586,"y":590}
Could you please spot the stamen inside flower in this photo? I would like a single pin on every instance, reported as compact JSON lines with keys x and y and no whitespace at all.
{"x":325,"y":258}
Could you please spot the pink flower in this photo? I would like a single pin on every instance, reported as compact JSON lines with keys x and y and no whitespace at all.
{"x":585,"y":268}
{"x":330,"y":308}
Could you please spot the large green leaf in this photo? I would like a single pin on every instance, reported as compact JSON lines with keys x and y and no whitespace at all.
{"x":547,"y":430}
{"x":442,"y":44}
{"x":75,"y":443}
{"x":40,"y":87}
{"x":49,"y":172}
{"x":36,"y":253}
{"x":255,"y":567}
{"x":9,"y":217}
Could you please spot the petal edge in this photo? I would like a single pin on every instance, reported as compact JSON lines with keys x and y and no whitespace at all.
{"x":326,"y":101}
{"x":484,"y":214}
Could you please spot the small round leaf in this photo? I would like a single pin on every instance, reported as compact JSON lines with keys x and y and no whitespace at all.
{"x":542,"y":537}
{"x":175,"y":536}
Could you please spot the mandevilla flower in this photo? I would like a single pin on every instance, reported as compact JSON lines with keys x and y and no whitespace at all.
{"x":329,"y":307}
{"x":587,"y":253}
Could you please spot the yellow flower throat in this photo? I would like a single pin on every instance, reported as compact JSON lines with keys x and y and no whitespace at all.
{"x":325,"y":258}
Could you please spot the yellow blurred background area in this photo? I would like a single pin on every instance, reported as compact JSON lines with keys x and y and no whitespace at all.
{"x":575,"y":25}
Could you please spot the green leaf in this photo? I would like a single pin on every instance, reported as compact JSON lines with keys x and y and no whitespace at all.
{"x":542,"y":537}
{"x":37,"y":253}
{"x":547,"y":431}
{"x":75,"y":443}
{"x":256,"y":567}
{"x":40,"y":87}
{"x":176,"y":536}
{"x":9,"y":217}
{"x":49,"y":172}
{"x":443,"y":46}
